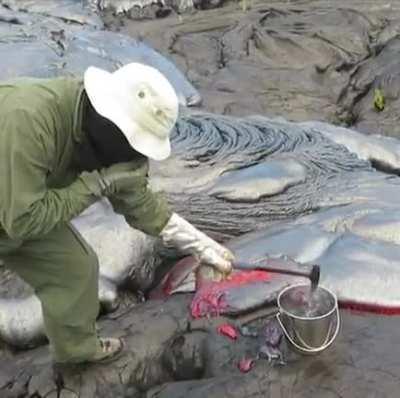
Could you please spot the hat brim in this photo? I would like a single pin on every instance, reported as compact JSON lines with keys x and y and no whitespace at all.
{"x":146,"y":143}
{"x":107,"y":99}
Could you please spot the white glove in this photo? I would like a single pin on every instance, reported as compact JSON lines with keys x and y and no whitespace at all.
{"x":188,"y":240}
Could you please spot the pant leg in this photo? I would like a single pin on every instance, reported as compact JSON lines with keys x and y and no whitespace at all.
{"x":63,"y":270}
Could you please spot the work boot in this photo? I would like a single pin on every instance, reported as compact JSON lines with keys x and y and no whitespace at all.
{"x":108,"y":350}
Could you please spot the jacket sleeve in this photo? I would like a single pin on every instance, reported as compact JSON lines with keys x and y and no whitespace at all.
{"x":28,"y":208}
{"x":142,"y":208}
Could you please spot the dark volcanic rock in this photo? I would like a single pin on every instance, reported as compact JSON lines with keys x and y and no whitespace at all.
{"x":305,"y":60}
{"x":354,"y":367}
{"x":380,"y":72}
{"x":48,"y":42}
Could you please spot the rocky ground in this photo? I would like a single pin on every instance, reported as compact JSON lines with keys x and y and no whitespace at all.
{"x":187,"y":358}
{"x":326,"y":60}
{"x":302,"y":59}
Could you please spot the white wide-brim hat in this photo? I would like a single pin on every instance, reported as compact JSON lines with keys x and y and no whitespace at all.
{"x":140,"y":101}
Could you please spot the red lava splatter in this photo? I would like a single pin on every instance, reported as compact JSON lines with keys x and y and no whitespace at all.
{"x":371,"y":308}
{"x":242,"y":277}
{"x":228,"y":330}
{"x":246,"y":364}
{"x":210,"y":297}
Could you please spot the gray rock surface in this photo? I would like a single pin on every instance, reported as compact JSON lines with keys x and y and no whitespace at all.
{"x":354,"y":367}
{"x":303,"y":60}
{"x":56,"y":41}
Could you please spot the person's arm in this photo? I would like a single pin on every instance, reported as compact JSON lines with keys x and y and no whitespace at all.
{"x":182,"y":235}
{"x":142,"y":208}
{"x":150,"y":213}
{"x":27,"y":207}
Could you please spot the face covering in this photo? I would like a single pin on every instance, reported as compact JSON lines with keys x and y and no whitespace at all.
{"x":105,"y":144}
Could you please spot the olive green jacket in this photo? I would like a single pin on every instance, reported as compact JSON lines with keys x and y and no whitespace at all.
{"x":40,"y":188}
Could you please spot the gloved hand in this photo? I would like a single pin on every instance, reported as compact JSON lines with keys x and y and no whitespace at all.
{"x":187,"y":239}
{"x":114,"y":179}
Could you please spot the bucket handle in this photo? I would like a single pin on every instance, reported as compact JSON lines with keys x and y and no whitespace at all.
{"x":311,"y":350}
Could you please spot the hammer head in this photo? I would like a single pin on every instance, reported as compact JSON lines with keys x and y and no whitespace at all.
{"x":314,"y":275}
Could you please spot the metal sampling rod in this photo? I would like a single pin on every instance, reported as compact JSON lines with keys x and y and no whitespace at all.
{"x":283,"y":265}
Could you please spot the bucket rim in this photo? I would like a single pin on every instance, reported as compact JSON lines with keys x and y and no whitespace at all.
{"x":306,"y":318}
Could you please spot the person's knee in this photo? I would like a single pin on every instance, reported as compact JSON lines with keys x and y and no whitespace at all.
{"x":77,"y":300}
{"x":89,"y":267}
{"x":80,"y":271}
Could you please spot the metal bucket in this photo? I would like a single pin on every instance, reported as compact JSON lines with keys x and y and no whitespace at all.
{"x":309,"y":326}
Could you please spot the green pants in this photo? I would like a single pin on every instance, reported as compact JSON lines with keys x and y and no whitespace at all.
{"x":63,"y":270}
